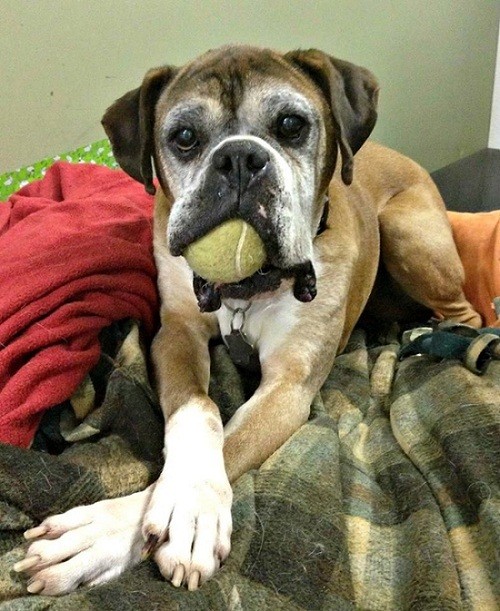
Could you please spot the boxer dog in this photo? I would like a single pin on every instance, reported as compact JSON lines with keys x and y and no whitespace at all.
{"x":278,"y":140}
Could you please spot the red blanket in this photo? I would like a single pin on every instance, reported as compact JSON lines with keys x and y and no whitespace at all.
{"x":75,"y":255}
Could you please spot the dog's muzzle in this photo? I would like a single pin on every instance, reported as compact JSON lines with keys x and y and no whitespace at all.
{"x":269,"y":279}
{"x":242,"y":181}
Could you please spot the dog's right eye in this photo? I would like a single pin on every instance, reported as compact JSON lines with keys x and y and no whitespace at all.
{"x":185,"y":139}
{"x":290,"y":127}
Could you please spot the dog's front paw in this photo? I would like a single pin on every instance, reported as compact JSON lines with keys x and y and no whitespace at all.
{"x":189,"y":524}
{"x":86,"y":545}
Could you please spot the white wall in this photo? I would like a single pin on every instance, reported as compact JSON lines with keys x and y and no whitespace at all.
{"x":494,"y":139}
{"x":62,"y":62}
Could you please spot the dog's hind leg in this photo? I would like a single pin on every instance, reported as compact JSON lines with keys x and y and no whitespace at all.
{"x":419,"y":252}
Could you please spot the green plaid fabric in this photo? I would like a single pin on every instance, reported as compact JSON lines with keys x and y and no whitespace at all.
{"x":387,"y":498}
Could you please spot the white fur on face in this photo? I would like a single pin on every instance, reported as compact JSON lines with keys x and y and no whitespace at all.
{"x":293,"y":211}
{"x":185,"y":178}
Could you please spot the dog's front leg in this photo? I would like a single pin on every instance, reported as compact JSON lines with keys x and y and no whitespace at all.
{"x":263,"y":424}
{"x":185,"y":517}
{"x":188,"y":521}
{"x":292,"y":373}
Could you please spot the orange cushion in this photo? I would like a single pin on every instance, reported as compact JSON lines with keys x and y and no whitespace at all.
{"x":477,"y":235}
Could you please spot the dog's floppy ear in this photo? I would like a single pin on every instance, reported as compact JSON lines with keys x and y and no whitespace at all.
{"x":352,"y":94}
{"x":129,"y":124}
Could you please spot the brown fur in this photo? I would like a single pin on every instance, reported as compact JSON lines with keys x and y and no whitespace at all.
{"x":385,"y":217}
{"x":419,"y":250}
{"x":387,"y":205}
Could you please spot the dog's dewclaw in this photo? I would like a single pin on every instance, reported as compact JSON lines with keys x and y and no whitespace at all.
{"x":34,"y":533}
{"x":28,"y":563}
{"x":149,"y":547}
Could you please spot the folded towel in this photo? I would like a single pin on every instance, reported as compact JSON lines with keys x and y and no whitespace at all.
{"x":75,"y":256}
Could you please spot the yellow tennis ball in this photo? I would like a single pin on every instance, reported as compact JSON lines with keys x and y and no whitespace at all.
{"x":230,"y":252}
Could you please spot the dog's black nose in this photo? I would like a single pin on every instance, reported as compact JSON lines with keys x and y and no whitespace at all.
{"x":239,"y":162}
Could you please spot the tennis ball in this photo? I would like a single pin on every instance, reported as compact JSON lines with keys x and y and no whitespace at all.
{"x":230,"y":252}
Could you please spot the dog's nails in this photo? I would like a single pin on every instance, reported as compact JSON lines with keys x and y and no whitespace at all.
{"x":27,"y":563}
{"x":178,"y":575}
{"x":194,"y":581}
{"x":38,"y":531}
{"x":149,"y":547}
{"x":36,"y":586}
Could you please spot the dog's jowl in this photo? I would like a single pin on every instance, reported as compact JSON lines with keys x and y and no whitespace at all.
{"x":278,"y":141}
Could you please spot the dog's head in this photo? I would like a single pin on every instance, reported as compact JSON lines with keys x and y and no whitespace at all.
{"x":248,"y":133}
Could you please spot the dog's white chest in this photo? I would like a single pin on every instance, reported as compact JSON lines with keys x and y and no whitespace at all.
{"x":265,"y":322}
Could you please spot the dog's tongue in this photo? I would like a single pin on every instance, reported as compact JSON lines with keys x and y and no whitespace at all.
{"x":210,"y":295}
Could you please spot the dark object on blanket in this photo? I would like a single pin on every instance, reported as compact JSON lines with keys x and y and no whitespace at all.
{"x":475,"y":347}
{"x":386,"y":499}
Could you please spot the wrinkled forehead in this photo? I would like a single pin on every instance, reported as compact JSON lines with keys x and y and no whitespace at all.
{"x":238,"y":83}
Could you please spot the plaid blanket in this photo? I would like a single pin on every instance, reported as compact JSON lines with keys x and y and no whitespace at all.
{"x":387,"y":498}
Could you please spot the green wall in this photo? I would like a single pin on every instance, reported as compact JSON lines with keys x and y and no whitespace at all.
{"x":64,"y":61}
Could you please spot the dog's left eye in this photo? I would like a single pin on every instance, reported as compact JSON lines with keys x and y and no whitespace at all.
{"x":185,"y":139}
{"x":290,"y":127}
